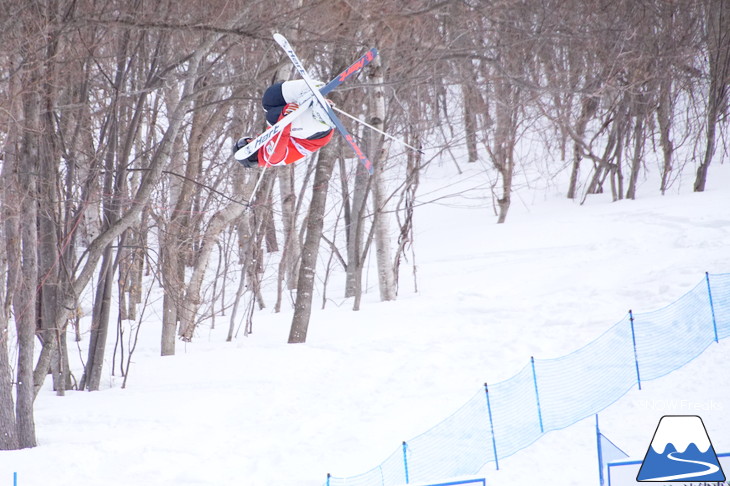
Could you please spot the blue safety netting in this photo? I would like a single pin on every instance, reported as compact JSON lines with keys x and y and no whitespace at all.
{"x":575,"y":386}
{"x":720,"y":290}
{"x":551,"y":394}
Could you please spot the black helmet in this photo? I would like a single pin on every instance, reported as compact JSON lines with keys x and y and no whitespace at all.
{"x":253,"y":159}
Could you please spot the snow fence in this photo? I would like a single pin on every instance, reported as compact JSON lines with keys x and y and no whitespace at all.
{"x":506,"y":417}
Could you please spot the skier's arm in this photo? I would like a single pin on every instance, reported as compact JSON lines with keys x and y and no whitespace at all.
{"x":276,"y":150}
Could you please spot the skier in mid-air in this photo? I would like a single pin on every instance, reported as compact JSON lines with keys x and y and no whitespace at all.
{"x":308,"y":133}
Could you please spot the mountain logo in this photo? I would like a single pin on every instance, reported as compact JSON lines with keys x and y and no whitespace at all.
{"x":680,"y":451}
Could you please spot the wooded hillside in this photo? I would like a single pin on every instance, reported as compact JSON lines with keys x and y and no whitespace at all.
{"x":117,"y":120}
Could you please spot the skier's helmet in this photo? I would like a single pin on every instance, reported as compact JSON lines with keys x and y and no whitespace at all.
{"x":253,"y":159}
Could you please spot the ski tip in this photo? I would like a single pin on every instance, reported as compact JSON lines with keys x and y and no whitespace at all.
{"x":279,"y":38}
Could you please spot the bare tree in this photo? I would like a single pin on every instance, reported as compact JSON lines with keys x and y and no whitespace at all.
{"x":8,"y":437}
{"x":718,"y":53}
{"x":511,"y":48}
{"x":310,"y":249}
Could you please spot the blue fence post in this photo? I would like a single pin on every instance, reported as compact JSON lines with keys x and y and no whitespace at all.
{"x":600,"y":454}
{"x":712,"y":305}
{"x":405,"y":461}
{"x":537,"y":393}
{"x":491,"y":427}
{"x":636,"y":356}
{"x":328,"y":479}
{"x":15,"y":479}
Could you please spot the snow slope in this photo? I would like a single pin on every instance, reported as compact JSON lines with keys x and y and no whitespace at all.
{"x":260,"y":412}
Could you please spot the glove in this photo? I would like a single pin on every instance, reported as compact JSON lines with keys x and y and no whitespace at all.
{"x":242,"y":142}
{"x":289,"y":108}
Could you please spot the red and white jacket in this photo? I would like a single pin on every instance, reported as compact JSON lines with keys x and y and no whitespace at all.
{"x":309,"y":132}
{"x":285,"y":149}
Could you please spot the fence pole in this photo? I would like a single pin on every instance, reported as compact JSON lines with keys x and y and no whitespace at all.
{"x":712,"y":306}
{"x":491,"y":427}
{"x":15,"y":479}
{"x":328,"y":479}
{"x":405,"y":461}
{"x":600,"y":453}
{"x":537,"y":393}
{"x":636,"y":356}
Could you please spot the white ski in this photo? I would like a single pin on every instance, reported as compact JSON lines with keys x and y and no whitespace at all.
{"x":247,"y":150}
{"x":281,"y":40}
{"x":258,"y":142}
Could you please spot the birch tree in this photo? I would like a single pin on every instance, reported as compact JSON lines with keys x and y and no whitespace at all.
{"x":381,"y":148}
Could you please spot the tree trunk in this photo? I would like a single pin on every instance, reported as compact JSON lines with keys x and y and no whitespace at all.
{"x":169,"y":325}
{"x":589,"y":105}
{"x":10,"y":237}
{"x":383,"y":244}
{"x":99,"y":324}
{"x":470,"y":118}
{"x":315,"y":223}
{"x":247,"y":241}
{"x":292,"y":248}
{"x":637,"y":156}
{"x":8,"y":435}
{"x":176,"y":245}
{"x":505,"y":201}
{"x":49,"y":218}
{"x":701,"y":177}
{"x":25,"y":299}
{"x":505,"y":138}
{"x":718,"y":47}
{"x":355,"y":229}
{"x":664,"y":120}
{"x":25,"y":321}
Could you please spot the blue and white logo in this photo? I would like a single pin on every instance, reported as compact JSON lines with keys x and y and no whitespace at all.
{"x":681,"y":451}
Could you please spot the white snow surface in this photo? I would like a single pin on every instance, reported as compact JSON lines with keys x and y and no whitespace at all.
{"x":258,"y":411}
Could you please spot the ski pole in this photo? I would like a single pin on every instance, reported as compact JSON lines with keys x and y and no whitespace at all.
{"x":256,"y":188}
{"x":261,"y":177}
{"x":377,"y":130}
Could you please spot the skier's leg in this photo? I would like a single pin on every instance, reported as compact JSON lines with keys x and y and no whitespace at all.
{"x":296,"y":90}
{"x":278,"y":95}
{"x":273,"y":101}
{"x":315,"y":122}
{"x":312,"y":124}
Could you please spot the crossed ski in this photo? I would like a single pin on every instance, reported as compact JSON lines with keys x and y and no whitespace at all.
{"x":316,"y":97}
{"x":281,"y":40}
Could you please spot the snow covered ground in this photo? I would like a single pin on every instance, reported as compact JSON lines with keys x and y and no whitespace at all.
{"x":260,"y":412}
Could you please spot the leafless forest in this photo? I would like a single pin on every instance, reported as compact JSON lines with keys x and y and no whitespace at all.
{"x":117,"y":120}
